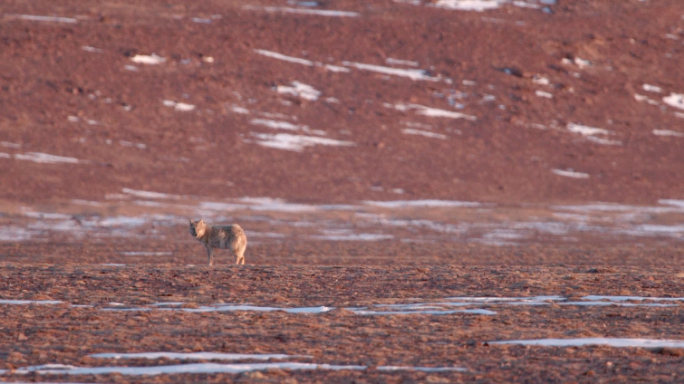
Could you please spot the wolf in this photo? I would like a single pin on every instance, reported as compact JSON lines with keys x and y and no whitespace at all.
{"x":231,"y":237}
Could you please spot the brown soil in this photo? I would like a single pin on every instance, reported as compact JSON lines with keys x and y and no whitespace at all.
{"x":60,"y":99}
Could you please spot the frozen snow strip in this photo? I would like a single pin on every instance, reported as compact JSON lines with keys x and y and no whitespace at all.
{"x":252,"y":308}
{"x":183,"y":107}
{"x":586,"y":131}
{"x":2,"y":371}
{"x":410,"y":63}
{"x":149,"y":195}
{"x":523,"y":4}
{"x":433,"y":135}
{"x":275,"y":124}
{"x":153,"y":59}
{"x":55,"y":19}
{"x":45,"y":158}
{"x":571,"y":174}
{"x":279,"y":56}
{"x":582,"y":63}
{"x":674,"y":100}
{"x":197,"y":356}
{"x":48,"y":216}
{"x":612,"y":342}
{"x":317,"y":12}
{"x":652,"y":88}
{"x":27,"y":302}
{"x":130,"y":144}
{"x":599,"y":140}
{"x":57,"y":369}
{"x":468,"y":5}
{"x":91,"y":49}
{"x":239,"y":109}
{"x":9,"y":145}
{"x":295,"y":143}
{"x":650,"y":101}
{"x":631,"y":298}
{"x":297,"y":60}
{"x":393,"y":368}
{"x":676,"y":203}
{"x":667,"y":132}
{"x":609,"y":207}
{"x":423,"y":204}
{"x":609,"y":303}
{"x":413,"y":74}
{"x":298,"y":89}
{"x":507,"y":300}
{"x":354,"y":237}
{"x":366,"y":312}
{"x":262,"y":204}
{"x":431,"y":112}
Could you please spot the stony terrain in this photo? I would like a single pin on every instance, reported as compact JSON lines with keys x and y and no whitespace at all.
{"x":396,"y":164}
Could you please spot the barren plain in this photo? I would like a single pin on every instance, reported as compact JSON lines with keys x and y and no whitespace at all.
{"x":433,"y":191}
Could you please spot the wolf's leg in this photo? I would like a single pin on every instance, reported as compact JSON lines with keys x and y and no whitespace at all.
{"x":238,"y":246}
{"x":210,"y":255}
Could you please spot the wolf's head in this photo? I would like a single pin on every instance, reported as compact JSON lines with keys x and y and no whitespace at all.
{"x":197,"y":228}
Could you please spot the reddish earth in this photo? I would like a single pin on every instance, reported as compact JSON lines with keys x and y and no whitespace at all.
{"x":103,"y":158}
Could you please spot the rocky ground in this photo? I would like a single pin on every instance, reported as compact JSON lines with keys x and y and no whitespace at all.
{"x":115,"y":320}
{"x":392,"y":162}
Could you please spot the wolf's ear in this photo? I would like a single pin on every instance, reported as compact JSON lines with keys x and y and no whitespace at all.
{"x":201,"y":221}
{"x":192,"y":222}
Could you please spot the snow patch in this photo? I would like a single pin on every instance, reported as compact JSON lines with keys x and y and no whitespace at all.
{"x":571,"y":174}
{"x":468,"y":5}
{"x":295,"y":143}
{"x":431,"y":112}
{"x":582,"y":63}
{"x":54,"y":19}
{"x":676,"y":203}
{"x":590,"y":134}
{"x":586,"y":131}
{"x":59,"y":369}
{"x":277,"y":124}
{"x":409,"y":131}
{"x":540,"y":80}
{"x":91,"y":49}
{"x":45,"y":158}
{"x":149,"y":194}
{"x":651,"y":88}
{"x":183,"y":107}
{"x":642,"y":98}
{"x":301,"y":90}
{"x":667,"y":132}
{"x":290,"y":59}
{"x":423,"y":204}
{"x":343,"y":236}
{"x":413,"y":74}
{"x":28,"y":302}
{"x":674,"y":100}
{"x":152,"y":59}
